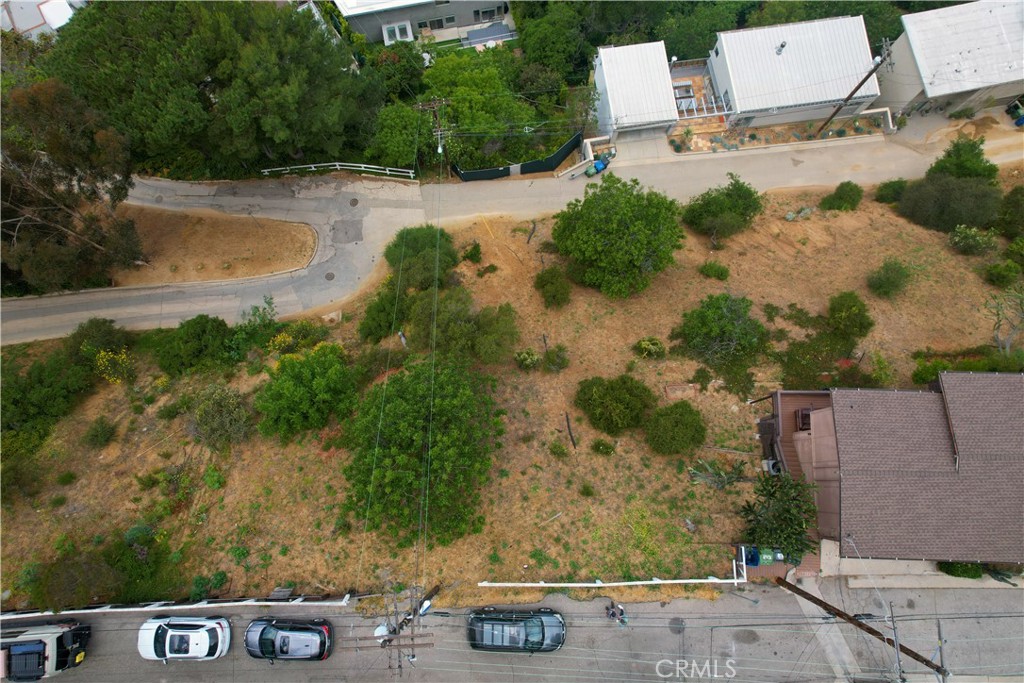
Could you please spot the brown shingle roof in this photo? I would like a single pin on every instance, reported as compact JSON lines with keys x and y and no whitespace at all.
{"x":986,"y":414}
{"x":902,"y":496}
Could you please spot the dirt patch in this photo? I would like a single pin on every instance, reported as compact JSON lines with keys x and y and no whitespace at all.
{"x":202,"y":245}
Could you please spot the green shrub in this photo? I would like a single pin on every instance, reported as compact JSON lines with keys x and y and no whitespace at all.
{"x":678,"y":428}
{"x":1015,"y":252}
{"x":450,"y":330}
{"x":965,"y":158}
{"x":587,"y":490}
{"x":715,"y":270}
{"x":971,"y":241}
{"x":963,"y":570}
{"x":306,"y":334}
{"x":558,"y":449}
{"x":57,"y":501}
{"x":173,"y":409}
{"x":553,"y":286}
{"x":602,"y":447}
{"x":942,"y":202}
{"x":890,"y":279}
{"x":614,"y":405}
{"x":384,"y":314}
{"x":486,"y":270}
{"x":199,"y":342}
{"x":848,"y":316}
{"x":218,"y":580}
{"x":928,"y":371}
{"x":891,"y":191}
{"x":303,"y":393}
{"x":527,"y":359}
{"x":1010,"y":218}
{"x":93,"y":336}
{"x":846,"y":197}
{"x":200,"y":589}
{"x":556,"y":359}
{"x":703,"y":377}
{"x":259,"y":325}
{"x":421,"y":257}
{"x":720,"y":332}
{"x":548,"y":247}
{"x":725,"y":210}
{"x":496,"y":333}
{"x":965,"y":113}
{"x":100,"y":432}
{"x":1003,"y":274}
{"x":66,"y":478}
{"x":650,"y":347}
{"x":221,"y":416}
{"x":472,"y":253}
{"x":214,"y":478}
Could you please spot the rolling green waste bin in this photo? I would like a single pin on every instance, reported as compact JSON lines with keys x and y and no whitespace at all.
{"x":767,"y":556}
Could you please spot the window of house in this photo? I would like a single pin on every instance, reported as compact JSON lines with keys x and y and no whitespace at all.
{"x":421,"y":24}
{"x":487,"y":15}
{"x":449,"y":20}
{"x":436,"y":24}
{"x":396,"y":32}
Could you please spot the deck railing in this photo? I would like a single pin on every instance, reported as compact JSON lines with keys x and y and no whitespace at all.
{"x":338,"y":166}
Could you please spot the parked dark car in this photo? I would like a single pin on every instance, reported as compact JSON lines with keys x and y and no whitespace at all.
{"x":272,"y":638}
{"x":541,"y":630}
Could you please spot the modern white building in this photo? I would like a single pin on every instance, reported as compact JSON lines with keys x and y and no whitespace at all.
{"x":969,"y":55}
{"x":35,"y":17}
{"x":786,"y":73}
{"x":391,"y":21}
{"x":634,"y":89}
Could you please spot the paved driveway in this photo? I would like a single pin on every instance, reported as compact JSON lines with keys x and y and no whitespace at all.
{"x":355,"y":218}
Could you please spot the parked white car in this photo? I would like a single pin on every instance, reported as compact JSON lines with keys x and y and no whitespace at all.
{"x":166,"y":639}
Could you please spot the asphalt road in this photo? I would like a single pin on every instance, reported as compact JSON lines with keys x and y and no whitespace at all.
{"x":761,"y":634}
{"x":355,"y":218}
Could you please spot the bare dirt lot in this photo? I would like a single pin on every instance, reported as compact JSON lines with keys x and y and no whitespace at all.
{"x":206,"y":245}
{"x":274,"y":522}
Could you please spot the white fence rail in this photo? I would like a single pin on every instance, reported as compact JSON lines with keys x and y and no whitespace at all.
{"x":739,"y":575}
{"x":338,"y":166}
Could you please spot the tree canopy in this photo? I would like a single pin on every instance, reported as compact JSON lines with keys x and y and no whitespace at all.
{"x":64,"y":171}
{"x":720,"y":332}
{"x":215,"y":88}
{"x":781,"y":515}
{"x":422,"y":444}
{"x":619,"y":235}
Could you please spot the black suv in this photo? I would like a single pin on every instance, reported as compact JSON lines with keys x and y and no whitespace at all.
{"x":541,"y":630}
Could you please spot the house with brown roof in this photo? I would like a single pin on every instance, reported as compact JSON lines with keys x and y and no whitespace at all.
{"x":910,"y":475}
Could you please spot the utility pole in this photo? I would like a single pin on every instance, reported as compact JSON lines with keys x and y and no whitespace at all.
{"x":942,"y":652}
{"x":835,"y":611}
{"x":434,"y":106}
{"x":896,"y":638}
{"x":879,"y":61}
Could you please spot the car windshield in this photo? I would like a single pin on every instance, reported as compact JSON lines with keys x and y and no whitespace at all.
{"x":160,"y":642}
{"x":267,"y":639}
{"x":214,"y":642}
{"x":534,"y":634}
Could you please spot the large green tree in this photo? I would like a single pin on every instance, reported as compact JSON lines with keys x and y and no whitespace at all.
{"x":557,"y":41}
{"x":692,"y":35}
{"x":64,"y":171}
{"x":203,"y":88}
{"x":619,"y":235}
{"x":422,"y":449}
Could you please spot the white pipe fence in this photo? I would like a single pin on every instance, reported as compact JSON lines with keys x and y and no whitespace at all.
{"x":338,"y":166}
{"x":739,"y":575}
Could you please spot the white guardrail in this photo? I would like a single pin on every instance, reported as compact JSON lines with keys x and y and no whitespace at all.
{"x":739,"y":575}
{"x":338,"y":166}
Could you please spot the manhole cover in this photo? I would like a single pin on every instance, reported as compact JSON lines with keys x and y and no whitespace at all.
{"x":353,"y":202}
{"x":329,"y":277}
{"x":677,"y":625}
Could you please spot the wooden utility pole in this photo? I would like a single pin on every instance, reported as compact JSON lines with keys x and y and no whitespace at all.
{"x":835,"y":611}
{"x":879,"y":61}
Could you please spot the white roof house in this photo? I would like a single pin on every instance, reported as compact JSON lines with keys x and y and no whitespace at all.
{"x":985,"y":47}
{"x":354,"y":8}
{"x":634,"y":88}
{"x":802,"y":65}
{"x":962,"y":55}
{"x":33,"y":17}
